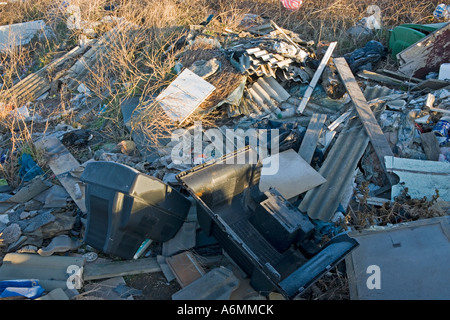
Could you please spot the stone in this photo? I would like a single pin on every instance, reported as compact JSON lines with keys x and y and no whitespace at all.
{"x":38,"y":221}
{"x":204,"y":68}
{"x":11,"y":234}
{"x":24,"y":215}
{"x":61,"y":243}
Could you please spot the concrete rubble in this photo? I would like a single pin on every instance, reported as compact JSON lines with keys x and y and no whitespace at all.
{"x":348,"y":153}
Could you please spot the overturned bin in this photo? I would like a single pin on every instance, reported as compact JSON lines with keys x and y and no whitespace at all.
{"x":262,"y":232}
{"x":125,"y":207}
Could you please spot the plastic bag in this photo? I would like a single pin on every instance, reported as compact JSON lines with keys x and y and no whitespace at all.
{"x":292,"y":4}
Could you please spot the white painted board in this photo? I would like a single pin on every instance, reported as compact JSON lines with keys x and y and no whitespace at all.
{"x":293,"y":177}
{"x":180,"y":99}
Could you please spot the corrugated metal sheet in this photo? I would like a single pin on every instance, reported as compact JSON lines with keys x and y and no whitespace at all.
{"x":322,"y":202}
{"x":339,"y":166}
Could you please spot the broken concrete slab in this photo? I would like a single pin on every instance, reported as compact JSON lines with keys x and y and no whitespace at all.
{"x":407,"y":261}
{"x":19,"y":34}
{"x":294,"y":176}
{"x":52,"y":272}
{"x":217,"y":284}
{"x":421,"y":177}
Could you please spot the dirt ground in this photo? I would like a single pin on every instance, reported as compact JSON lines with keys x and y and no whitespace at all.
{"x":154,"y":286}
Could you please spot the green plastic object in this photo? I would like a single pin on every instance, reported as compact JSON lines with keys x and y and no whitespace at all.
{"x":405,"y":35}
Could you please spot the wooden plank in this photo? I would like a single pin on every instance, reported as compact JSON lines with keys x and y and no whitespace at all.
{"x":399,"y":75}
{"x":427,"y":54}
{"x":93,"y":271}
{"x":433,"y":84}
{"x":370,"y":75}
{"x":316,"y":77}
{"x":312,"y":135}
{"x":373,"y":129}
{"x":185,"y":268}
{"x":62,"y":162}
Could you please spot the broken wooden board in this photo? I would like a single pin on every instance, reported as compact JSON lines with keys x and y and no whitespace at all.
{"x":399,"y":75}
{"x":316,"y":77}
{"x":426,"y":55}
{"x":294,"y":175}
{"x":36,"y":84}
{"x":94,"y":271}
{"x":182,"y":97}
{"x":433,"y":84}
{"x":421,"y":177}
{"x":370,"y":75}
{"x":312,"y":135}
{"x":373,"y":129}
{"x":185,"y":268}
{"x":62,"y":162}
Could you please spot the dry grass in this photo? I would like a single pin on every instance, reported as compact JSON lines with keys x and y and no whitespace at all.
{"x":141,"y":63}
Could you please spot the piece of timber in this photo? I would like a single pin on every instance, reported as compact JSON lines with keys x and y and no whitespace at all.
{"x":373,"y":129}
{"x":316,"y":77}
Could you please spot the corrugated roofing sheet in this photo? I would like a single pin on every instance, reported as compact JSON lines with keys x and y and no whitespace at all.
{"x":338,"y":168}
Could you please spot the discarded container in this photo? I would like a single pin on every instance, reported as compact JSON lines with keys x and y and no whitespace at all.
{"x":442,"y":11}
{"x":444,"y":71}
{"x":405,"y":35}
{"x":442,"y":129}
{"x":231,"y":208}
{"x":125,"y":207}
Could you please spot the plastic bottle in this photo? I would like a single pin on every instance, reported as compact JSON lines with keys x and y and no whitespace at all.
{"x":442,"y":11}
{"x":286,"y":113}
